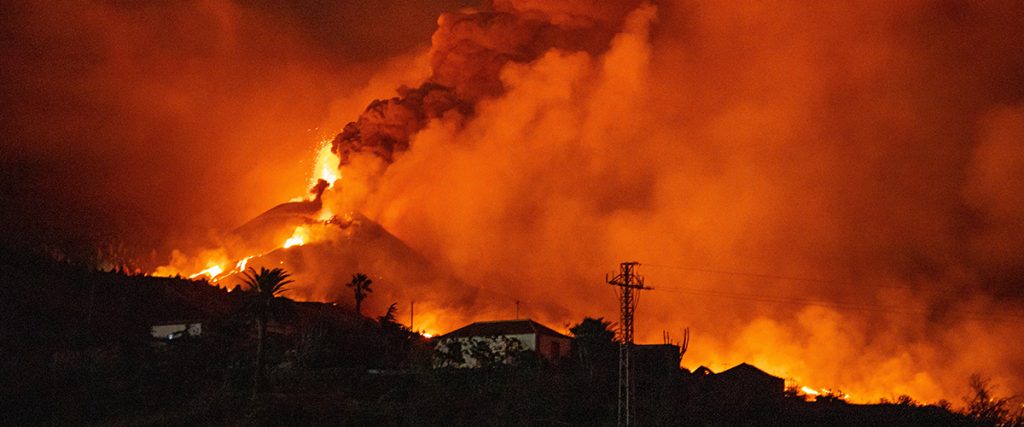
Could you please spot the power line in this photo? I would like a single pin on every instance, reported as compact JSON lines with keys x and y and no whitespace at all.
{"x":797,"y":279}
{"x":739,"y":273}
{"x":831,"y":304}
{"x":840,"y":305}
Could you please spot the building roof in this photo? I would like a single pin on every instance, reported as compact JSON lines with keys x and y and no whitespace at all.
{"x":503,"y":327}
{"x":703,"y":371}
{"x":745,"y":369}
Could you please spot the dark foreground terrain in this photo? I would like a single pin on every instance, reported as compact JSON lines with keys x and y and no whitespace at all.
{"x":78,"y":350}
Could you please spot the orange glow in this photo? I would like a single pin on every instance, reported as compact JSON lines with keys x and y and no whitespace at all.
{"x":213,"y":261}
{"x":212,"y":272}
{"x":298,"y":238}
{"x":325,"y":215}
{"x":240,"y":266}
{"x":811,"y":393}
{"x":208,"y":264}
{"x":735,"y":167}
{"x":325,"y":165}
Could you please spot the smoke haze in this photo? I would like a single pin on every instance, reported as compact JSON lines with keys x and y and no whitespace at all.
{"x":872,"y":147}
{"x":156,"y":121}
{"x":868,"y":146}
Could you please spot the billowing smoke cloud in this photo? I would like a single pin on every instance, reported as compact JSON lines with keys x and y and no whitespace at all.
{"x":152,"y":123}
{"x":387,"y":125}
{"x":468,"y":52}
{"x":872,"y":147}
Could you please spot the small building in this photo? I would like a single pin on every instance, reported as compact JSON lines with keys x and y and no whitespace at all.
{"x":500,"y":337}
{"x":743,"y":386}
{"x":176,"y":329}
{"x":657,"y":360}
{"x":751,"y":381}
{"x":702,"y":371}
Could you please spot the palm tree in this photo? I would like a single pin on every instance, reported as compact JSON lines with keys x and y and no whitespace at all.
{"x":264,"y":290}
{"x":594,"y":344}
{"x":360,"y":284}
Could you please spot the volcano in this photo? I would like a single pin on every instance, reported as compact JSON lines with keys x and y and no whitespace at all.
{"x":339,"y":247}
{"x":267,"y":230}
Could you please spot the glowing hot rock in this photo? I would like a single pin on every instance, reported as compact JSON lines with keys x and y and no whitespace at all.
{"x":809,"y":391}
{"x":299,"y":237}
{"x":212,"y":272}
{"x":325,"y":166}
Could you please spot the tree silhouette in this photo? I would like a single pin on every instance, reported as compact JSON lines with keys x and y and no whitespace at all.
{"x":389,"y":317}
{"x":594,"y":344}
{"x":360,"y":284}
{"x":398,"y":339}
{"x":984,"y":408}
{"x":264,"y":290}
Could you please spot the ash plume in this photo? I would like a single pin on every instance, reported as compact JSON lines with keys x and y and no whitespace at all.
{"x":870,"y":146}
{"x":387,"y":124}
{"x":873,"y":146}
{"x":318,"y":189}
{"x":468,"y":52}
{"x":125,"y":113}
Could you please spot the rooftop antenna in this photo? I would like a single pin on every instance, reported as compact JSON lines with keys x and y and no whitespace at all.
{"x":628,"y":285}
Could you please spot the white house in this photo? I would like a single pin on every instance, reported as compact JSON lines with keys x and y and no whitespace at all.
{"x":499,"y":334}
{"x":175,"y":330}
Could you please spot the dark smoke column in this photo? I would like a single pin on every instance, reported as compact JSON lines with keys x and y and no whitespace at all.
{"x":468,"y":51}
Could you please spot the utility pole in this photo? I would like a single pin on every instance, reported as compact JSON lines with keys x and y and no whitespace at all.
{"x":412,"y":315}
{"x":628,"y":285}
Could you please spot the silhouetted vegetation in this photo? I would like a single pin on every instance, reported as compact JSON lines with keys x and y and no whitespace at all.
{"x":76,"y":363}
{"x":987,"y":409}
{"x":594,"y":347}
{"x":264,"y":290}
{"x":360,"y":285}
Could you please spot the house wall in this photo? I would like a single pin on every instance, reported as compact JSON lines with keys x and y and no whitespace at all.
{"x":542,"y":344}
{"x":656,"y":360}
{"x":745,"y":389}
{"x":166,"y":331}
{"x":528,"y":342}
{"x":546,"y":348}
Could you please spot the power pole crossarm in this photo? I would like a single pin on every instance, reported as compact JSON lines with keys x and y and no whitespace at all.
{"x":627,"y":285}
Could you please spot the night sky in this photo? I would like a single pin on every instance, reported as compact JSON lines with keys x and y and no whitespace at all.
{"x":858,"y":163}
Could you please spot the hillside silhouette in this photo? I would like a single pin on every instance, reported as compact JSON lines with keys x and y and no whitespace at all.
{"x":84,"y":353}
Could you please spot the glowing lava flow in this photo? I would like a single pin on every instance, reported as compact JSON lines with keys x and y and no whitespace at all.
{"x":298,"y":238}
{"x":212,"y":271}
{"x":325,"y":166}
{"x":809,"y":392}
{"x":216,"y":262}
{"x":216,"y":272}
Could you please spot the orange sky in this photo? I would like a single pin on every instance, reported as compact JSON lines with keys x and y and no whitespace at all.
{"x":873,"y":146}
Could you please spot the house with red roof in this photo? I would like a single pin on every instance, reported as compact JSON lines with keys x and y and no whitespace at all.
{"x":503,"y":338}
